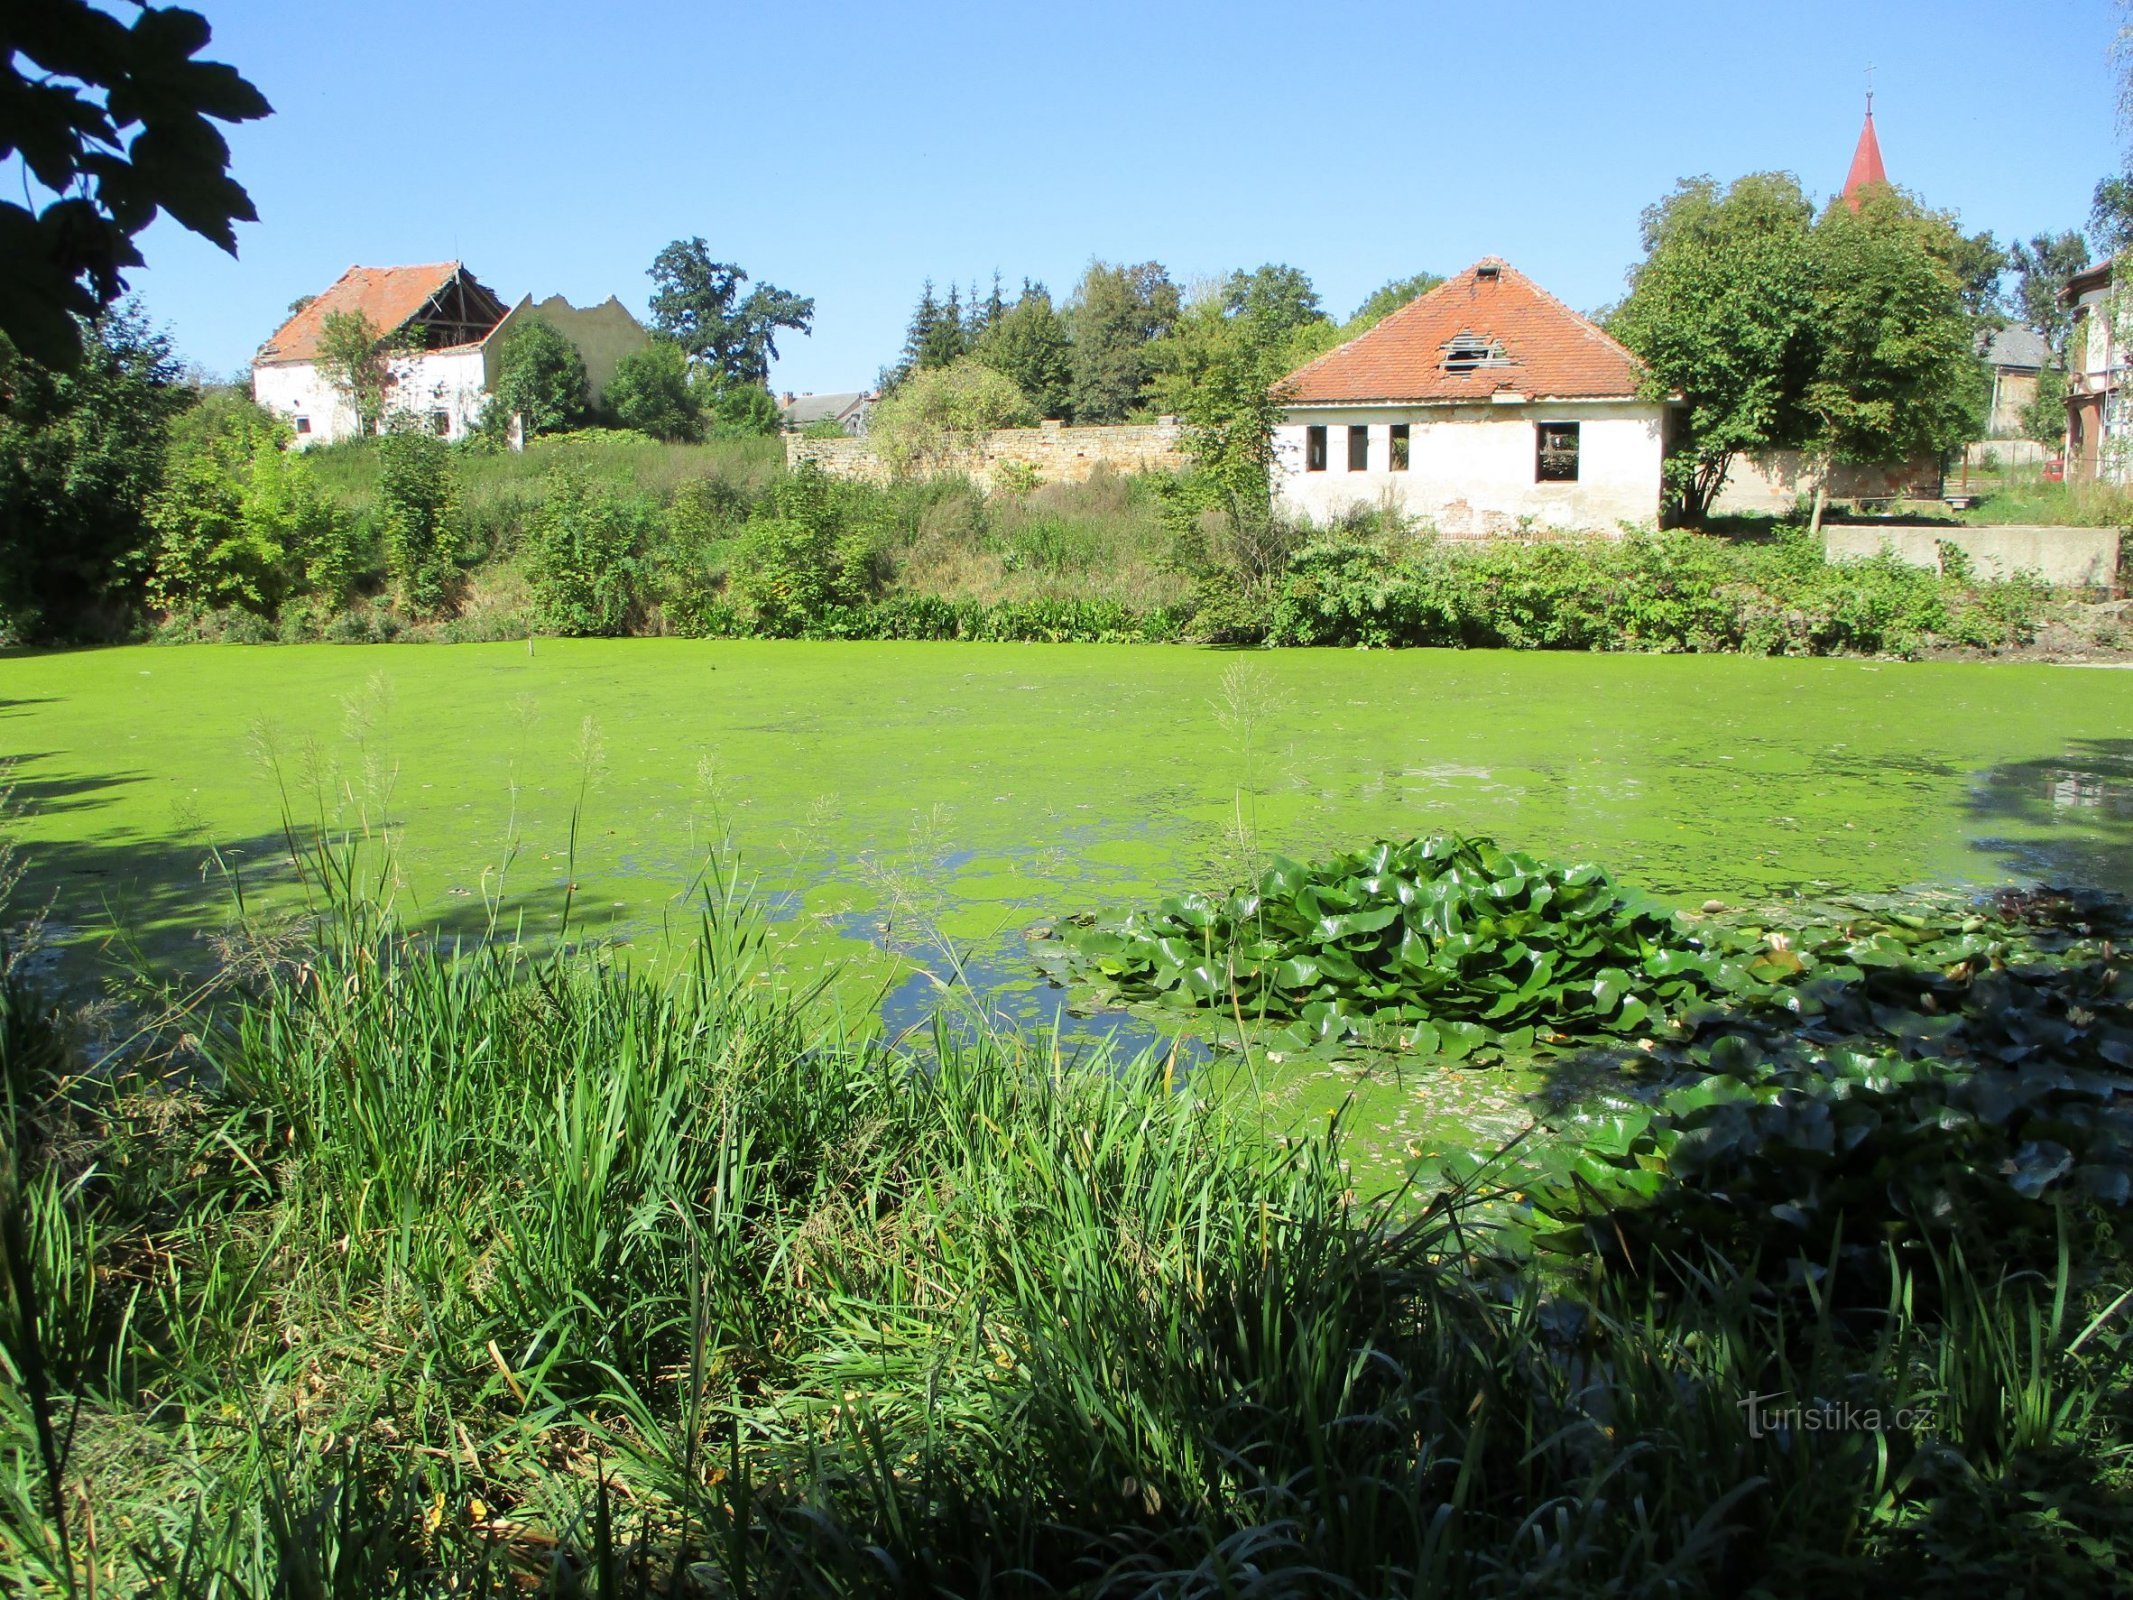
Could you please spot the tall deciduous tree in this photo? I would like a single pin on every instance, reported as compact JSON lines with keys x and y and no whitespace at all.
{"x":1723,"y":312}
{"x":1275,"y":299}
{"x":75,"y":84}
{"x":1027,"y":343}
{"x":698,"y":303}
{"x":2042,"y":269}
{"x":1387,"y":299}
{"x":1896,"y":372}
{"x":81,"y":455}
{"x":1117,"y":312}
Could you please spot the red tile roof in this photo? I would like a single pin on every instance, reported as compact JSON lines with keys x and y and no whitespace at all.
{"x":1866,"y":163}
{"x":1549,"y":352}
{"x":386,"y":295}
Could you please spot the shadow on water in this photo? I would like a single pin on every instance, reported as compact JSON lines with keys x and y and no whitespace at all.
{"x":2065,"y":819}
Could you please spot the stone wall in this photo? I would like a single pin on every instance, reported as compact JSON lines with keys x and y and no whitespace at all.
{"x":1056,"y":453}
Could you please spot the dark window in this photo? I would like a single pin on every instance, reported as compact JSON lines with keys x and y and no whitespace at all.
{"x":441,"y":423}
{"x":1358,"y":448}
{"x":303,"y":424}
{"x":1398,"y":463}
{"x":1556,"y":453}
{"x":1314,"y":449}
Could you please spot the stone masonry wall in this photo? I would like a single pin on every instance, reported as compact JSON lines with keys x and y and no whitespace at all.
{"x":1057,"y":454}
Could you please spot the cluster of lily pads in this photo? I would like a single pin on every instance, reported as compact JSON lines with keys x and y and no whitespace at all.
{"x":1934,"y":1066}
{"x":1435,"y":945}
{"x":1902,"y":1062}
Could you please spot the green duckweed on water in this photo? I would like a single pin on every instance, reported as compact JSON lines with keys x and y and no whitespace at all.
{"x":895,"y":802}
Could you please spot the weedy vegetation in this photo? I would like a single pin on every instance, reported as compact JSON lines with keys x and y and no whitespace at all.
{"x":396,"y":1268}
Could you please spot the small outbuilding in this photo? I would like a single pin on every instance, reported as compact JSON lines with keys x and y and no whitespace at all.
{"x":1485,"y":407}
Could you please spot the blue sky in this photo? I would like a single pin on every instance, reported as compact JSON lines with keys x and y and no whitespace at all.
{"x":849,"y":151}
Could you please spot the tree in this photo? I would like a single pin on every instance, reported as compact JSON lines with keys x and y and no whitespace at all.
{"x":1977,"y":262}
{"x":540,"y":377}
{"x":1278,"y":300}
{"x":357,"y":361}
{"x":1116,"y":313}
{"x":2111,"y":216}
{"x":697,"y":303}
{"x":81,"y":456}
{"x":1722,"y":311}
{"x":1027,"y":344}
{"x":938,"y":411}
{"x":744,"y":411}
{"x":2042,"y":269}
{"x":946,"y":340}
{"x":1384,"y":301}
{"x":70,"y":123}
{"x":651,"y":392}
{"x":1896,"y":373}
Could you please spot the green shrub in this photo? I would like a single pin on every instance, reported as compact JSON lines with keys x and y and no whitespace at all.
{"x":1669,"y":591}
{"x":803,"y":554}
{"x":417,"y":510}
{"x":240,"y":521}
{"x":583,"y":555}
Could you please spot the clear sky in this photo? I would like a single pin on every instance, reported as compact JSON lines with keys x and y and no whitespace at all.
{"x":849,"y":151}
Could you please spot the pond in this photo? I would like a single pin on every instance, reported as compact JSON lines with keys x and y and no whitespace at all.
{"x":910,"y":811}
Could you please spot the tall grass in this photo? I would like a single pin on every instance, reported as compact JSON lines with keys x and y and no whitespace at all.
{"x":457,"y":1270}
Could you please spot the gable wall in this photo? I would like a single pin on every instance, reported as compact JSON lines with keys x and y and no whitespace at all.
{"x":1471,"y":468}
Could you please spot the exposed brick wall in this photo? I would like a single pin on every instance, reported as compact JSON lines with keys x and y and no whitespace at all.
{"x":1058,"y":454}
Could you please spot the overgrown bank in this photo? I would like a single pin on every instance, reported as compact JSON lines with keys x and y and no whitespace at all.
{"x":607,"y":534}
{"x":474,"y":1274}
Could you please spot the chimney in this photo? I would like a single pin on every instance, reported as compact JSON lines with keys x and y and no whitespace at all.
{"x":786,"y":400}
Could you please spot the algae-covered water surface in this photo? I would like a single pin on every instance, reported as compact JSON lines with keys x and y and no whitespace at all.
{"x":912,"y":810}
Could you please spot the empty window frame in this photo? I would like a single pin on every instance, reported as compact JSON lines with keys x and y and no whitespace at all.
{"x":1315,"y":449}
{"x":303,"y":424}
{"x":1397,"y":455}
{"x":1359,"y":447}
{"x":441,"y":424}
{"x":1555,"y":452}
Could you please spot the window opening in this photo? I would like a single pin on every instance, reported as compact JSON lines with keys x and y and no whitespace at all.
{"x":1359,"y":448}
{"x":1314,"y":449}
{"x":1398,"y":463}
{"x":1556,"y":452}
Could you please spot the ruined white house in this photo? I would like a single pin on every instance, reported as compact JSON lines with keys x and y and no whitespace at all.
{"x":1486,"y":406}
{"x":450,"y":331}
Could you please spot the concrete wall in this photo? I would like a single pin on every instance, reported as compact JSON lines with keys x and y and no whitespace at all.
{"x":1057,"y":454}
{"x":1780,"y":479}
{"x":2082,"y":557}
{"x":1471,"y":468}
{"x":449,"y":381}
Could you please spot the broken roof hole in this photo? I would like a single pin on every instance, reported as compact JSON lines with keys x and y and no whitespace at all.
{"x":1463,"y":352}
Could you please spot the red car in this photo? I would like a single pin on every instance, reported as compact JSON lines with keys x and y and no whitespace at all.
{"x":2055,"y":469}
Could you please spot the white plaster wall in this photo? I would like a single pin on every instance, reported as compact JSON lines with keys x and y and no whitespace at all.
{"x":298,"y":389}
{"x":452,"y":381}
{"x":1470,"y":470}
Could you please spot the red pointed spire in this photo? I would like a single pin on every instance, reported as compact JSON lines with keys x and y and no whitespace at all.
{"x":1866,"y":161}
